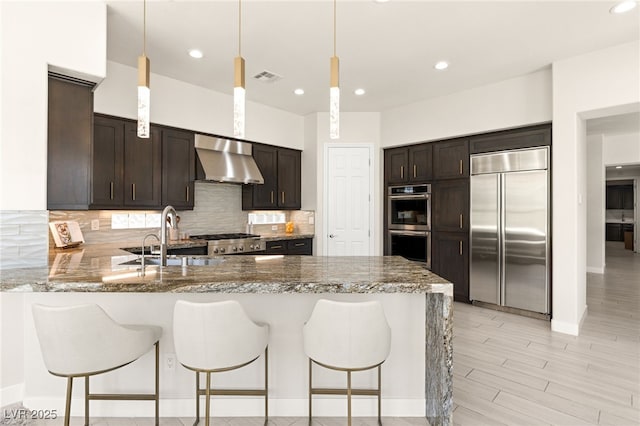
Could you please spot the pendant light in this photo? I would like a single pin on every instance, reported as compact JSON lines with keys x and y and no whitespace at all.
{"x":144,"y":94}
{"x":238,"y":83}
{"x":334,"y":87}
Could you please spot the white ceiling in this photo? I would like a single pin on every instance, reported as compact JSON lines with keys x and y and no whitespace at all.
{"x":614,"y":124}
{"x":389,"y":49}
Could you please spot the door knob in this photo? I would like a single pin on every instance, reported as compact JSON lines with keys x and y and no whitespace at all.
{"x":331,"y":236}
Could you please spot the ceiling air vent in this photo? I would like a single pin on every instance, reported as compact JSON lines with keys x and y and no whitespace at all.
{"x":267,"y":76}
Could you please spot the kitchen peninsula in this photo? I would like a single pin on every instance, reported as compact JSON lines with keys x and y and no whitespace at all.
{"x":280,"y":290}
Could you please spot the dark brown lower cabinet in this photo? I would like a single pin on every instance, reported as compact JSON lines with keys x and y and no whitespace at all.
{"x":450,"y":260}
{"x":301,"y":246}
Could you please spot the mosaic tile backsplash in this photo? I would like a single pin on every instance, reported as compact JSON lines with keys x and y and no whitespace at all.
{"x":25,"y":238}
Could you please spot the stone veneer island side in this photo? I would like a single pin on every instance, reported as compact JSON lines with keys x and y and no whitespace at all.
{"x":100,"y":270}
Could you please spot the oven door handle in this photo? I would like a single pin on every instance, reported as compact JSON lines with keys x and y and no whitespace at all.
{"x":409,"y":233}
{"x":410,"y":197}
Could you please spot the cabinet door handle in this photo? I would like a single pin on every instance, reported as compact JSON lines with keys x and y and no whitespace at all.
{"x":460,"y":220}
{"x":187,"y":193}
{"x":299,"y":244}
{"x":111,"y":190}
{"x":401,"y":172}
{"x":271,"y":197}
{"x":415,"y":171}
{"x":275,"y":247}
{"x":133,"y":190}
{"x":282,"y":197}
{"x":461,"y":171}
{"x":460,"y":247}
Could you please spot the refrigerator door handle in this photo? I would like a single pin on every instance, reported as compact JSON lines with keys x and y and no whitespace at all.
{"x":501,"y":238}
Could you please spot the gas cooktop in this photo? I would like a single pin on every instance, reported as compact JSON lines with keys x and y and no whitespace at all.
{"x":232,"y":236}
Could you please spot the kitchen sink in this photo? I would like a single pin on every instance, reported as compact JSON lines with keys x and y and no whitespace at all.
{"x":178,"y":261}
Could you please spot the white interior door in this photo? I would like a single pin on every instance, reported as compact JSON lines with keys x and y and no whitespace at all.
{"x":348,"y":201}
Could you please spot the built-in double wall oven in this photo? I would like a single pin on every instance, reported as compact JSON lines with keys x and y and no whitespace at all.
{"x":409,"y":222}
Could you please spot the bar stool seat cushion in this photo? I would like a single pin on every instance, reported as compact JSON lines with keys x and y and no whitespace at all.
{"x":347,"y":335}
{"x":216,"y":335}
{"x":83,"y":339}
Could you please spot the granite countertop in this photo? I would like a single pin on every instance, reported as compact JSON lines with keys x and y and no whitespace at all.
{"x":99,"y":268}
{"x":620,"y":221}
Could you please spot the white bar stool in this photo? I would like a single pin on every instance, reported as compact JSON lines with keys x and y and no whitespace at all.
{"x":347,"y":336}
{"x":215,"y":337}
{"x":82,"y":341}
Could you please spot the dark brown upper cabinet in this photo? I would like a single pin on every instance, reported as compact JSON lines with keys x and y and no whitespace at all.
{"x":142,"y":168}
{"x":108,"y":149}
{"x":408,"y":164}
{"x":619,"y":197}
{"x":451,"y":159}
{"x":528,"y":137}
{"x":281,"y":170}
{"x":69,"y":136}
{"x":178,"y":169}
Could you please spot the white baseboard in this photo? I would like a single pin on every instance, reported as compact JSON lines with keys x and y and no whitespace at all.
{"x":595,"y":270}
{"x":11,"y":394}
{"x":568,"y":327}
{"x":236,"y":407}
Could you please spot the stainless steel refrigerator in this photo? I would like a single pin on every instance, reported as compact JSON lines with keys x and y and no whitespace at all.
{"x":510,"y":250}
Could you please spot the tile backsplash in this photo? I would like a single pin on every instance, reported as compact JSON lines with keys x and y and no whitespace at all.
{"x":23,"y":238}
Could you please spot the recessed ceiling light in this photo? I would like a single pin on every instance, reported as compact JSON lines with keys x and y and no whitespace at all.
{"x":442,"y":65}
{"x":359,"y":92}
{"x":195,"y":53}
{"x":618,"y":167}
{"x":299,"y":92}
{"x":623,"y":7}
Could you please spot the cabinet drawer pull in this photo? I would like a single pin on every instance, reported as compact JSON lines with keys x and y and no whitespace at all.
{"x":111,"y":190}
{"x":271,"y":197}
{"x":401,"y":172}
{"x":282,"y":197}
{"x":460,"y":220}
{"x":187,"y":194}
{"x":415,"y":171}
{"x":133,"y":190}
{"x":275,"y":247}
{"x":461,"y":167}
{"x":299,"y":244}
{"x":460,"y":247}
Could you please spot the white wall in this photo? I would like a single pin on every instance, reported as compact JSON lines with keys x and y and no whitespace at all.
{"x":595,"y":205}
{"x":179,"y":104}
{"x":583,"y":86}
{"x":355,"y":127}
{"x":34,"y":36}
{"x":511,"y":103}
{"x":622,"y":149}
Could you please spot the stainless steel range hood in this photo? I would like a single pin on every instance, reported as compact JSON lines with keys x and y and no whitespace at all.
{"x":226,"y":160}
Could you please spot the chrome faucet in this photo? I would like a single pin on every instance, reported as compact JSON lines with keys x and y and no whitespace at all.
{"x":168,"y":212}
{"x":150,"y":249}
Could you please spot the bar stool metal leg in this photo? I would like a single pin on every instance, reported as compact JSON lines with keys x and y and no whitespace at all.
{"x":348,"y":397}
{"x":197,"y":398}
{"x":208,"y":396}
{"x":266,"y":385}
{"x":157,"y":383}
{"x":310,"y":387}
{"x":379,"y":394}
{"x":67,"y":410}
{"x":86,"y":400}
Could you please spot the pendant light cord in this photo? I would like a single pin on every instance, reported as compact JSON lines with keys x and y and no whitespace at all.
{"x":239,"y":27}
{"x":334,"y":27}
{"x":144,"y":28}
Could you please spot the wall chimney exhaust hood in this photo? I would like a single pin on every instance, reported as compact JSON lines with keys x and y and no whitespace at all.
{"x":226,"y":160}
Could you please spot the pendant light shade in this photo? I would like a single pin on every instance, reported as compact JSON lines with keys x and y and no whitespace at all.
{"x":238,"y":83}
{"x":144,"y":97}
{"x":144,"y":93}
{"x":334,"y":87}
{"x":334,"y":99}
{"x":238,"y":97}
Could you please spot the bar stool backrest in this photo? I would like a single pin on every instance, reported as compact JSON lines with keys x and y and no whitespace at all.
{"x":216,"y":335}
{"x":83,"y":339}
{"x":347,"y":335}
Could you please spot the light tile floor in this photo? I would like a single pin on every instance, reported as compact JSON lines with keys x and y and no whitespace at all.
{"x":512,"y":370}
